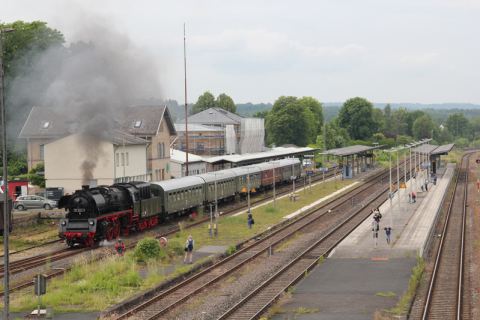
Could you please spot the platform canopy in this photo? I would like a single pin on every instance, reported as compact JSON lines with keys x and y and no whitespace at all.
{"x":434,"y":149}
{"x":258,"y":157}
{"x":347,"y":151}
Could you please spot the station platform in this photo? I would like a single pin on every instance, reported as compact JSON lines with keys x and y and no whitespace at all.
{"x":411,"y":228}
{"x":352,"y":282}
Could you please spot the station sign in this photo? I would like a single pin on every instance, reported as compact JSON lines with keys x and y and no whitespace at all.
{"x":309,"y":172}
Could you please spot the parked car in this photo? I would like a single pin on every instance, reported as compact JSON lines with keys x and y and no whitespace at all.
{"x":34,"y":202}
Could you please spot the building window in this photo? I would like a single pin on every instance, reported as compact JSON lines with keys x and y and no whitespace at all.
{"x":163,"y":148}
{"x":138,"y":124}
{"x":46,"y":125}
{"x":184,"y":145}
{"x":123,"y":159}
{"x":163,"y":174}
{"x":127,"y":158}
{"x":118,"y":160}
{"x":42,"y":152}
{"x":93,"y":183}
{"x":200,"y":145}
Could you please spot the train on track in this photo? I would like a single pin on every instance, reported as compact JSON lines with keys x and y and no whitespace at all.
{"x":106,"y":212}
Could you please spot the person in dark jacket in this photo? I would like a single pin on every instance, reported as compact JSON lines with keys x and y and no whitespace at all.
{"x":387,"y":231}
{"x":250,"y":219}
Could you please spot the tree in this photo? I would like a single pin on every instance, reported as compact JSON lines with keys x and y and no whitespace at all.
{"x":317,"y":111}
{"x":379,"y":118}
{"x":330,"y":141}
{"x":356,"y":115}
{"x":23,"y":46}
{"x":289,"y":121}
{"x":388,"y":117}
{"x":36,"y":179}
{"x":422,"y":126}
{"x":411,"y":117}
{"x":226,"y":103}
{"x":400,"y":121}
{"x":458,"y":123}
{"x":445,"y":136}
{"x":204,"y":102}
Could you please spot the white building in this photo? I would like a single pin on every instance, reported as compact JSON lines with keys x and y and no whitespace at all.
{"x":66,"y":166}
{"x":178,"y":160}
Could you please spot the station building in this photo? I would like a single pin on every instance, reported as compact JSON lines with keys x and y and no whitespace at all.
{"x":69,"y":167}
{"x":150,"y":123}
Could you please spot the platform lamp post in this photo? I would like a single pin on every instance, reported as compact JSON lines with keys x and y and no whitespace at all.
{"x":273,"y":163}
{"x":248,"y":184}
{"x":323,"y":168}
{"x":375,"y":144}
{"x":216,"y":203}
{"x":416,"y":157}
{"x":6,"y":223}
{"x":310,"y":157}
{"x":293,"y":174}
{"x":405,"y":175}
{"x":390,"y":195}
{"x":398,"y":178}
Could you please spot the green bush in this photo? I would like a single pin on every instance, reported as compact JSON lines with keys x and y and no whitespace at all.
{"x":148,"y":248}
{"x":231,"y":250}
{"x":271,"y":209}
{"x":177,"y":248}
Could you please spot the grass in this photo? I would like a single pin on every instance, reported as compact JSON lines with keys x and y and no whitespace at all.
{"x":230,"y":280}
{"x":390,"y":294}
{"x":234,"y":229}
{"x":32,"y":236}
{"x":302,"y":310}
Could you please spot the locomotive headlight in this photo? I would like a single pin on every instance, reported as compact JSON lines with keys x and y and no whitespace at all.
{"x":64,"y":223}
{"x":91,"y":222}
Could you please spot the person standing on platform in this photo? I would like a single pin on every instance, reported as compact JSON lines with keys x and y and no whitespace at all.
{"x":375,"y":228}
{"x":426,"y":185}
{"x":250,"y":220}
{"x":387,"y":231}
{"x":414,"y":197}
{"x":435,"y":180}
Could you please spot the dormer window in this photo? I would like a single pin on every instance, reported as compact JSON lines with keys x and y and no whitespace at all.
{"x":138,"y":123}
{"x":46,"y":125}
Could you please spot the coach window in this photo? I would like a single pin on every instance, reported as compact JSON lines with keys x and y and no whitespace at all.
{"x":170,"y":197}
{"x":189,"y":193}
{"x":183,"y":195}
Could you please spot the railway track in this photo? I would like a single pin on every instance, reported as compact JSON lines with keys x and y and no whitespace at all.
{"x":445,"y":292}
{"x":39,"y":260}
{"x":163,"y":303}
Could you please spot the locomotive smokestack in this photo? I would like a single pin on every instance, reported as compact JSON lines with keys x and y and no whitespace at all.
{"x":85,"y":187}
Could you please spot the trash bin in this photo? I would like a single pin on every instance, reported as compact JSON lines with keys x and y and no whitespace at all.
{"x":49,"y":312}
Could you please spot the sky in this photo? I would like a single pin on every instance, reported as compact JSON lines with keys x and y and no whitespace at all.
{"x":256,"y":51}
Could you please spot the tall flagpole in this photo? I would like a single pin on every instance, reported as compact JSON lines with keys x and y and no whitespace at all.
{"x":186,"y":124}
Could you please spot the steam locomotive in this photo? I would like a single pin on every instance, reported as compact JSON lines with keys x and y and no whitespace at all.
{"x":106,"y":212}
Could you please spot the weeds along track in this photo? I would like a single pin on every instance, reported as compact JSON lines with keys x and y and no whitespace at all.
{"x":444,"y":297}
{"x":25,"y":264}
{"x":165,"y":302}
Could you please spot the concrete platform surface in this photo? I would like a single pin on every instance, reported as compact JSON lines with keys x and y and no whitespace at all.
{"x":347,"y":289}
{"x":57,"y":316}
{"x":411,"y":227}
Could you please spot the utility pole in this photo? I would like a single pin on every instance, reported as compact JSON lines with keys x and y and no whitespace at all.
{"x":124,"y":156}
{"x":6,"y":211}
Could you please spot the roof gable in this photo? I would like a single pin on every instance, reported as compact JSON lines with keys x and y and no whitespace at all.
{"x":214,"y":116}
{"x":36,"y":124}
{"x":149,"y":117}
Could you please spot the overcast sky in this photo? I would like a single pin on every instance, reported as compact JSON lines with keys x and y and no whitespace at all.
{"x":255,"y":51}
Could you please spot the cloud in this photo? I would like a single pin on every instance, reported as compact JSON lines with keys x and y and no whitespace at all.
{"x":258,"y":51}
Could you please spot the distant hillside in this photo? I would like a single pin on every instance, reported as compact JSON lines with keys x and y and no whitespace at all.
{"x":416,"y":106}
{"x":248,"y":109}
